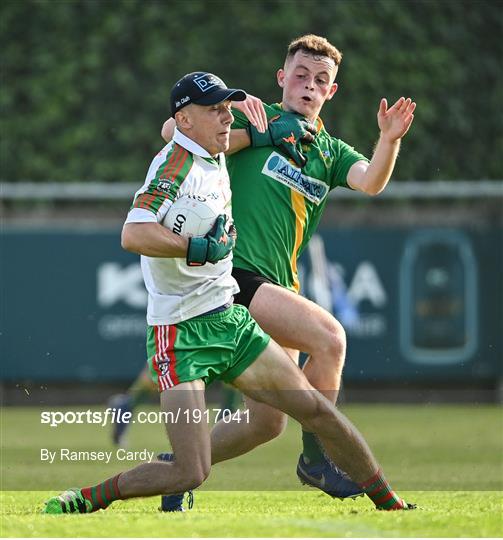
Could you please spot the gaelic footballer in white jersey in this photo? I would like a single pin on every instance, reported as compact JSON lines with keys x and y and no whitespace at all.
{"x":177,"y":292}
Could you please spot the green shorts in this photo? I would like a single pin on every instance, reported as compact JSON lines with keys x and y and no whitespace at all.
{"x":215,"y":346}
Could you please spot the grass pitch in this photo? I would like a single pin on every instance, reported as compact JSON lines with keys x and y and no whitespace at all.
{"x":268,"y":514}
{"x":447,"y":459}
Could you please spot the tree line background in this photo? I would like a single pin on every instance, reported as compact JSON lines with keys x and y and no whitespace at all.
{"x":85,"y":83}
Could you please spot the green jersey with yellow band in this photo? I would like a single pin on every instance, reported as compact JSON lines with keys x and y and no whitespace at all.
{"x":276,"y":205}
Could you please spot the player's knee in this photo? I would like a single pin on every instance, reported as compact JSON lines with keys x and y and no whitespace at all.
{"x":195,"y":477}
{"x":269,"y":428}
{"x":198,"y":477}
{"x":337,"y":340}
{"x":333,"y":345}
{"x":190,"y":473}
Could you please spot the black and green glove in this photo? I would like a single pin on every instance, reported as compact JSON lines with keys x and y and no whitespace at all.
{"x":213,"y":247}
{"x":286,"y":131}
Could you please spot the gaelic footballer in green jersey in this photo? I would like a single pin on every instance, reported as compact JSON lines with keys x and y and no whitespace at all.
{"x":287,"y":201}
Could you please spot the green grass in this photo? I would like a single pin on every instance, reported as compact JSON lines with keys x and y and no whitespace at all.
{"x":448,"y":459}
{"x":268,"y":514}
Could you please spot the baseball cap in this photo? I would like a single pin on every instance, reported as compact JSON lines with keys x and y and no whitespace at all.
{"x":202,"y":88}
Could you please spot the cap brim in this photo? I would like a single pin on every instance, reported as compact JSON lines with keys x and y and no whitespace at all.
{"x":219,"y":95}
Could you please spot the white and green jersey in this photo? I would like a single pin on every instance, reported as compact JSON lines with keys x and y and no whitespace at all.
{"x":177,"y":292}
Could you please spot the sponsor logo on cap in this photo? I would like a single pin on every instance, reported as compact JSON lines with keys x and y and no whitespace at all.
{"x":207,"y":82}
{"x":182,"y":101}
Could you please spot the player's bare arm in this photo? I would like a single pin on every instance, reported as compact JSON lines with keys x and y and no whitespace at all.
{"x":238,"y":138}
{"x":254,"y":110}
{"x":168,"y":129}
{"x":153,"y":240}
{"x":284,"y":131}
{"x":394,"y":123}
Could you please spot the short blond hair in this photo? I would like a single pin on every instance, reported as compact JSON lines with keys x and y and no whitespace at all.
{"x":315,"y":46}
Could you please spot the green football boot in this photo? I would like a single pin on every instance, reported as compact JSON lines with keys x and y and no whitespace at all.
{"x":70,"y":501}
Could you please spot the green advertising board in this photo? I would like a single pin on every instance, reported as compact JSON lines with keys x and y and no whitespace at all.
{"x":417,"y":304}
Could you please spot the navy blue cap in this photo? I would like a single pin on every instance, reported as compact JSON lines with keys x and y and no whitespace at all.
{"x":202,"y":88}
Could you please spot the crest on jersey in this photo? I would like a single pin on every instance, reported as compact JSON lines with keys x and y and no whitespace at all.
{"x":164,"y":185}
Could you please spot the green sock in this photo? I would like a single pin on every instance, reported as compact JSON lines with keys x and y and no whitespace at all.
{"x":311,"y":449}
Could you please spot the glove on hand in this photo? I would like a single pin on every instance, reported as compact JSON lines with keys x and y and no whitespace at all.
{"x":213,"y":247}
{"x":286,"y":131}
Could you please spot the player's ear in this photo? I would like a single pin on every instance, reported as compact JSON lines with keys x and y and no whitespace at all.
{"x":280,"y":76}
{"x":333,"y":90}
{"x":183,"y":118}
